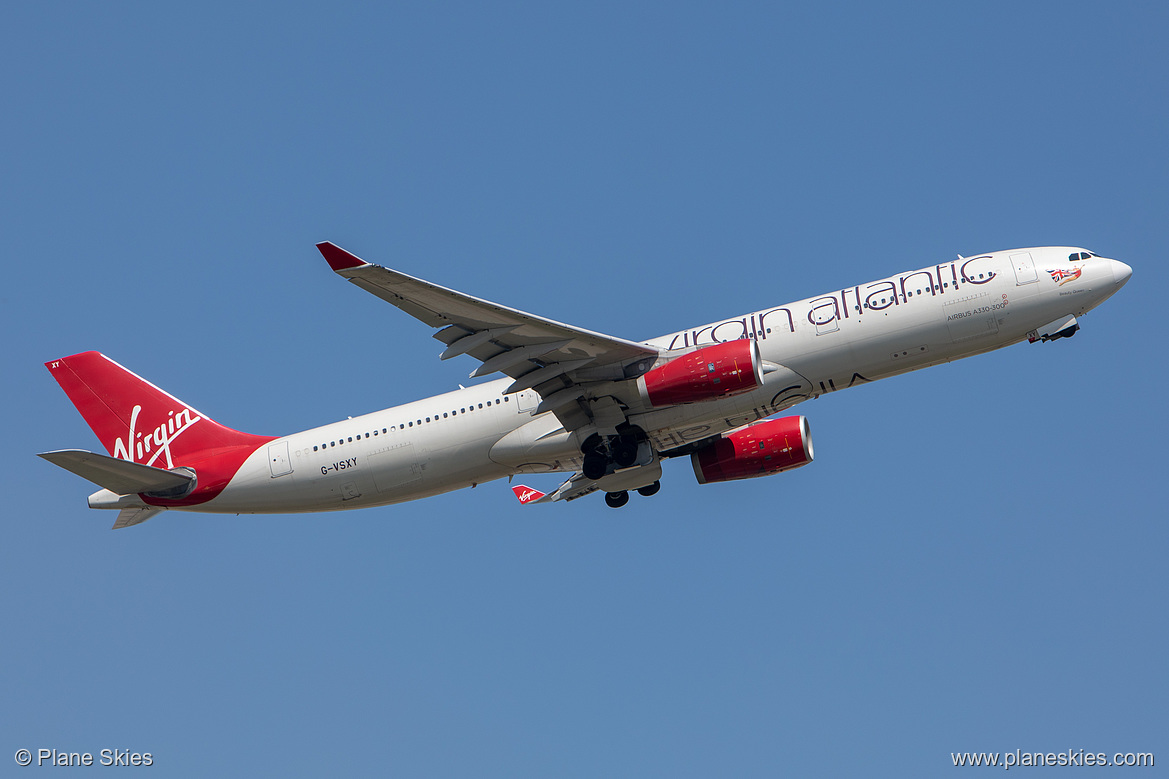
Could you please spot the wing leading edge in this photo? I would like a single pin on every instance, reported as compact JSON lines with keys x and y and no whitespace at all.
{"x":558,"y":361}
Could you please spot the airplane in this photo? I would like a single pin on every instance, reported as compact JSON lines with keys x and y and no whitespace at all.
{"x":605,"y":410}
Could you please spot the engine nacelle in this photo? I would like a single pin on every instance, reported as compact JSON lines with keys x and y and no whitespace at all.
{"x":712,"y":372}
{"x":758,"y":450}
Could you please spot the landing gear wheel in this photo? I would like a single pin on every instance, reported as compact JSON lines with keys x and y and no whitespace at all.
{"x":649,"y":489}
{"x":616,"y":500}
{"x":624,"y":452}
{"x":595,"y":465}
{"x":592,"y":443}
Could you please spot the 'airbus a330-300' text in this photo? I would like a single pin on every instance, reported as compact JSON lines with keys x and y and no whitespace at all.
{"x":605,"y":410}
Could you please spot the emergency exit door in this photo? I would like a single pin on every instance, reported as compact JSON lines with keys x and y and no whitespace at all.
{"x":1024,"y":268}
{"x":278,"y":459}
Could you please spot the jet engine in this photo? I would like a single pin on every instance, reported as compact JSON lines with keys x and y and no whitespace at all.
{"x":756,"y":450}
{"x":712,"y":372}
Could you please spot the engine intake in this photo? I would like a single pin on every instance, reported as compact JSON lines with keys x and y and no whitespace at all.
{"x":757,"y":450}
{"x":712,"y":372}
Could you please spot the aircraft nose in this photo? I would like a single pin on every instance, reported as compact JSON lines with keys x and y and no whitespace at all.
{"x":1120,"y":273}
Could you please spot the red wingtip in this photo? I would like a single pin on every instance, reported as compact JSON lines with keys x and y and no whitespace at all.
{"x":338,"y":258}
{"x":526,"y":494}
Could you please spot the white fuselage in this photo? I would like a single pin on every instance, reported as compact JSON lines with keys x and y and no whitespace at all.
{"x":837,"y":340}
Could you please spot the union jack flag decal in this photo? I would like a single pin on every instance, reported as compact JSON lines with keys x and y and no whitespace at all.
{"x":1061,"y":276}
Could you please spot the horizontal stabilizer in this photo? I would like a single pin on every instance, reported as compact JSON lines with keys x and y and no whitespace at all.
{"x":134,"y":516}
{"x":119,"y":476}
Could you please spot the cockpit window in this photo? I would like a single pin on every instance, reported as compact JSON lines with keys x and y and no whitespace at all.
{"x":1080,"y":256}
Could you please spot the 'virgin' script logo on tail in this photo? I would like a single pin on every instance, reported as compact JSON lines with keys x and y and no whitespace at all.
{"x":138,"y":446}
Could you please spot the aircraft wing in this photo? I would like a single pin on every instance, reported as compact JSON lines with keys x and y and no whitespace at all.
{"x":559,"y":361}
{"x":575,"y":487}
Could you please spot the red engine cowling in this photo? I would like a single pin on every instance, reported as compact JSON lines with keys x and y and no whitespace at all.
{"x":711,"y":372}
{"x":758,"y":450}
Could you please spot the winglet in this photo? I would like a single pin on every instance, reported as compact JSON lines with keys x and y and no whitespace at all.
{"x":338,"y":258}
{"x":526,"y":494}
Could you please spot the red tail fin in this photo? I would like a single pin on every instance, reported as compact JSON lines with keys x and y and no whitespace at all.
{"x":136,"y":421}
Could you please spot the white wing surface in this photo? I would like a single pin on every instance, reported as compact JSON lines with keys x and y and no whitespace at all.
{"x":559,"y":361}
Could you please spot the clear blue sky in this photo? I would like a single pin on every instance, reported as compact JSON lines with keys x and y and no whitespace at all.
{"x":975,"y":561}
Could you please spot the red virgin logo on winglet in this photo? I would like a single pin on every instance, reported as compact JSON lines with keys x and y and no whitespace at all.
{"x":526,"y":494}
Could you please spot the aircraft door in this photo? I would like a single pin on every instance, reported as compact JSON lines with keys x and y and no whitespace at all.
{"x":526,"y":402}
{"x":1024,"y":268}
{"x":278,"y":459}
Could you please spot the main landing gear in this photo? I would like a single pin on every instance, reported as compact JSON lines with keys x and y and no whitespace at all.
{"x":619,"y":450}
{"x":616,"y":500}
{"x":604,"y":455}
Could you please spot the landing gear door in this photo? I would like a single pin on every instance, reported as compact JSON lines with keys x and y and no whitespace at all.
{"x":1024,"y":268}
